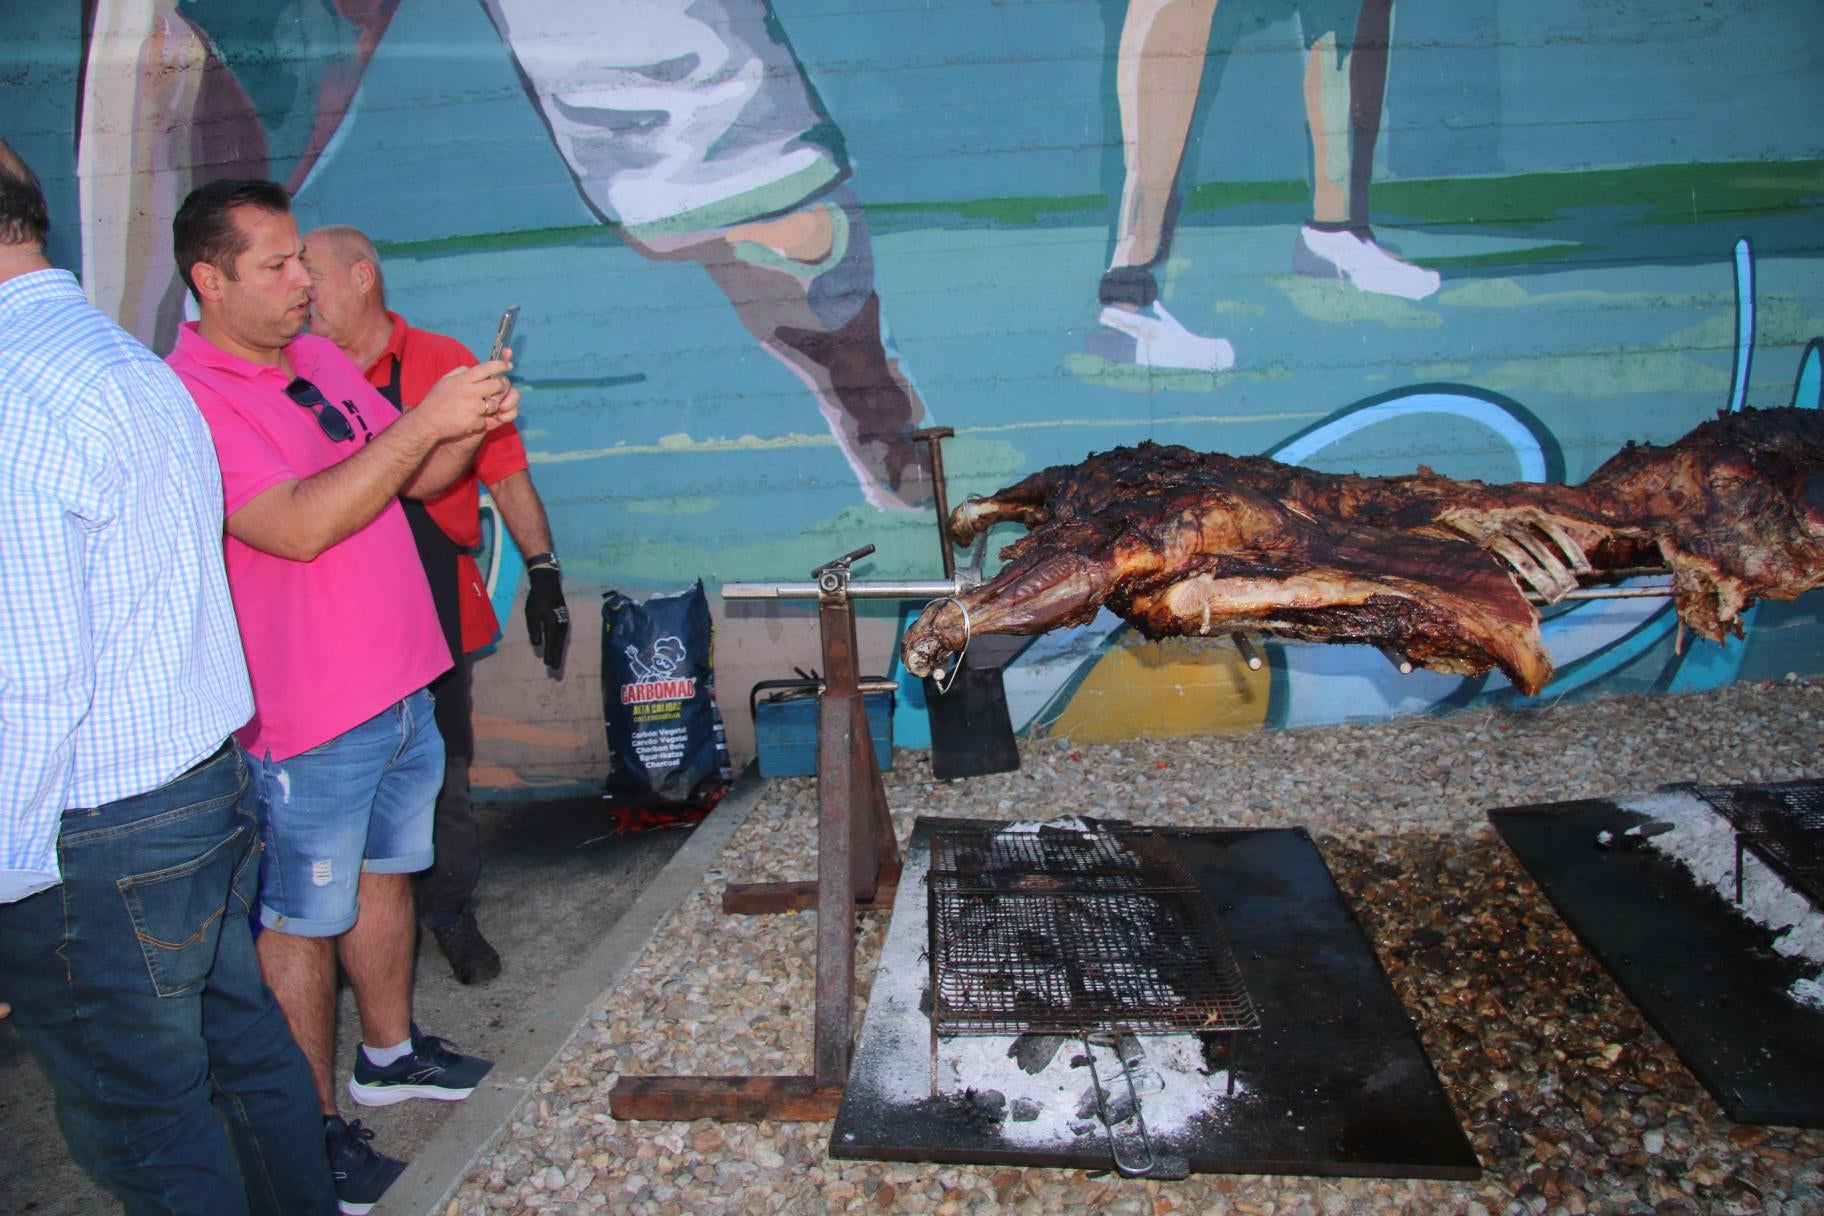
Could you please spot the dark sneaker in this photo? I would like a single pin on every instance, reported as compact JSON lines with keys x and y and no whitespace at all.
{"x":432,"y":1070}
{"x":471,"y":957}
{"x":361,"y":1174}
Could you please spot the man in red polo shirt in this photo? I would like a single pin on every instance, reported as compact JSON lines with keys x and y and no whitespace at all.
{"x":348,"y":306}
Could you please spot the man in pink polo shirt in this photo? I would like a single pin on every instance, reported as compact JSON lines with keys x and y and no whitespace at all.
{"x":341,"y":640}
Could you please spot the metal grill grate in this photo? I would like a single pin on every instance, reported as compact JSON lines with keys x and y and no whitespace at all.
{"x":1058,"y":930}
{"x":1782,"y":824}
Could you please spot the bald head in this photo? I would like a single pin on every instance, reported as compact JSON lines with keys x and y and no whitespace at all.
{"x":348,"y":291}
{"x":346,"y":244}
{"x":25,"y":220}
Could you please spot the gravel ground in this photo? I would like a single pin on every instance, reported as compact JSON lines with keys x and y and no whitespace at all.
{"x":1571,"y":1101}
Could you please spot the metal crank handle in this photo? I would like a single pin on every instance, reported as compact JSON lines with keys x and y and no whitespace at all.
{"x":843,"y":562}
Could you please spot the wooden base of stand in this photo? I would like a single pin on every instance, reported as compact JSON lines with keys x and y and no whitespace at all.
{"x":728,"y":1099}
{"x":761,"y":898}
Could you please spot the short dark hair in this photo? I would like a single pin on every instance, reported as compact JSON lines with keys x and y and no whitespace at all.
{"x":24,"y":217}
{"x":205,"y":231}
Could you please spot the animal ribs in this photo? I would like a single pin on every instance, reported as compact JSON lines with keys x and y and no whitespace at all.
{"x":1179,"y":542}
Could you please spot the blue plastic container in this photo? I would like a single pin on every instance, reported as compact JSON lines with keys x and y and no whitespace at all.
{"x":785,"y":726}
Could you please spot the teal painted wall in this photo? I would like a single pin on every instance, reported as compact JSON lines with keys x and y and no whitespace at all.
{"x":1577,"y":173}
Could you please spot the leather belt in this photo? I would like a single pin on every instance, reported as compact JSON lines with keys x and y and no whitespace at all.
{"x":206,"y":761}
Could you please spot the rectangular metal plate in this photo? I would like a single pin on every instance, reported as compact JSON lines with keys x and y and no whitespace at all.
{"x":1335,"y":1082}
{"x":1705,"y":975}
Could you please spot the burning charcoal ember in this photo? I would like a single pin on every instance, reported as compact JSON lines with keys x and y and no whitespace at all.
{"x":1179,"y":542}
{"x":1033,"y":1052}
{"x":1025,"y":1110}
{"x":991,"y":1102}
{"x":1120,"y":1104}
{"x":1217,"y":1050}
{"x":1037,"y":946}
{"x":972,"y":1109}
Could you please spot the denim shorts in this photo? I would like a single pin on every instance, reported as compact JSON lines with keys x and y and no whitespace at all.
{"x":361,"y":802}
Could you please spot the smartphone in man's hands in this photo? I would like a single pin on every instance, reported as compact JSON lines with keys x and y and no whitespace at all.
{"x":504,"y":332}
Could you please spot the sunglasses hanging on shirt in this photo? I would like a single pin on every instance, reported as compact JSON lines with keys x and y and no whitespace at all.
{"x":333,"y":421}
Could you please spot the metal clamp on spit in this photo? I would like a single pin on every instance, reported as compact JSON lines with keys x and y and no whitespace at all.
{"x":834,"y":580}
{"x":835,"y":583}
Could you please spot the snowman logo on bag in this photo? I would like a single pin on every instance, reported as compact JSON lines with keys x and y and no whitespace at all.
{"x":655,"y":672}
{"x":660,"y":662}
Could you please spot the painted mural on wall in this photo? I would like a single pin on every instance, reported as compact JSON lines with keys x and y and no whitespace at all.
{"x":688,"y":127}
{"x":755,"y":245}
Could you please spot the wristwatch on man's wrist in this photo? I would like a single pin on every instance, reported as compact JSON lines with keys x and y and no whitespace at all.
{"x":543,"y":561}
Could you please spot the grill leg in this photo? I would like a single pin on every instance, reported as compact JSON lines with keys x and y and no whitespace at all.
{"x":1738,"y":868}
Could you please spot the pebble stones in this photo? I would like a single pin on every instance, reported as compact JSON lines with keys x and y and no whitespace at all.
{"x":1571,"y":1101}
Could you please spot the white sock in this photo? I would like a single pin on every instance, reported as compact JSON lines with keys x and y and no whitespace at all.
{"x":380,"y":1057}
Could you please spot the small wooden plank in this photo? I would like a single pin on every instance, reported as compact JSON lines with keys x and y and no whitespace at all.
{"x":762,"y":898}
{"x":727,"y":1099}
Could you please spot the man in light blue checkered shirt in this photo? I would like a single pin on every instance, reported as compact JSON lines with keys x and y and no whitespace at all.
{"x":127,"y":858}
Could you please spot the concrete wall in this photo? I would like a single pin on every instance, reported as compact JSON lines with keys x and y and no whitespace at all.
{"x":1578,"y":173}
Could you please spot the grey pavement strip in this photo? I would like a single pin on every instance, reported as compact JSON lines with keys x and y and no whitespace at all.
{"x":430,"y":1181}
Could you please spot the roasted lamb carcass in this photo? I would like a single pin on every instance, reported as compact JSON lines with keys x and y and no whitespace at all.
{"x":1181,"y":542}
{"x":1735,"y":510}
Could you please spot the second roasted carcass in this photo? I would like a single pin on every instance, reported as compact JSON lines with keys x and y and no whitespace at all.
{"x":1181,"y":542}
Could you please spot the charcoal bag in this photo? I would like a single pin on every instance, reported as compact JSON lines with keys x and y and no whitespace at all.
{"x":669,"y":759}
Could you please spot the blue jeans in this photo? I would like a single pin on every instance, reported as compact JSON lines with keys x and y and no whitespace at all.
{"x":134,"y":985}
{"x":361,"y":801}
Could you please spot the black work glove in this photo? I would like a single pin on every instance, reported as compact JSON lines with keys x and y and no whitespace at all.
{"x":547,"y":618}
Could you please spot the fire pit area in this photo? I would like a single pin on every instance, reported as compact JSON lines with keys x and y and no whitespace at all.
{"x":1568,"y":1097}
{"x":1702,"y":902}
{"x":1071,"y":927}
{"x":1056,"y":947}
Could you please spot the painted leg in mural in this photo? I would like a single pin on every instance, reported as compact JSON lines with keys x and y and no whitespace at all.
{"x":738,"y":176}
{"x":162,"y":113}
{"x":697,"y":133}
{"x":803,"y":284}
{"x":1160,"y":69}
{"x":1157,"y":77}
{"x":1345,"y":86}
{"x":145,"y":72}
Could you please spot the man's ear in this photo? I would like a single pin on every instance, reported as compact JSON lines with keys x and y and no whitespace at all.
{"x":364,"y":274}
{"x":208,"y":279}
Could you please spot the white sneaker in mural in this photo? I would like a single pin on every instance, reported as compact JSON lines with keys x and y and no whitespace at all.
{"x":1356,"y":258}
{"x":1153,"y":337}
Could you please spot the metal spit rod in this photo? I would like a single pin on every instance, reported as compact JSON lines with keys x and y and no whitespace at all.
{"x":1403,"y":665}
{"x":858,"y":589}
{"x":1606,"y":593}
{"x":968,"y":579}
